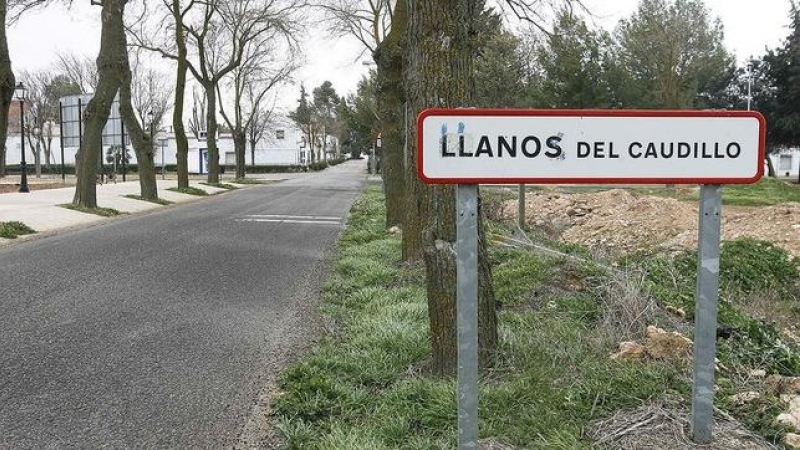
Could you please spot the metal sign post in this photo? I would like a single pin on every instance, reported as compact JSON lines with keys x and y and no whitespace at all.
{"x":521,"y":208}
{"x":706,"y":299}
{"x":467,"y":312}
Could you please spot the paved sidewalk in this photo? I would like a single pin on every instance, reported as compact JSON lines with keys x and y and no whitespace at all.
{"x":40,"y":210}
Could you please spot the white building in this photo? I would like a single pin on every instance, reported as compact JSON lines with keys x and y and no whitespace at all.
{"x":280,"y":146}
{"x":786,"y":162}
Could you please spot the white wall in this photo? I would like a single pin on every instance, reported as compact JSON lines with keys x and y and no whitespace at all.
{"x":269,"y":151}
{"x":13,"y":153}
{"x":786,"y":161}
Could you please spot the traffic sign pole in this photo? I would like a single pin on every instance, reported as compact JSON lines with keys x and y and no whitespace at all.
{"x":467,"y":312}
{"x":521,"y":219}
{"x":706,"y":299}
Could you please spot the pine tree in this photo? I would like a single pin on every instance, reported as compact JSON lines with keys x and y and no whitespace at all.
{"x":783,"y":73}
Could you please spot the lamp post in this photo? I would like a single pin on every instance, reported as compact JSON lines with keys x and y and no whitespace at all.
{"x":20,"y":93}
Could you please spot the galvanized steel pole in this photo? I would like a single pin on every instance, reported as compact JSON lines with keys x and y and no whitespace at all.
{"x":521,"y":212}
{"x":706,"y":298}
{"x":467,"y":311}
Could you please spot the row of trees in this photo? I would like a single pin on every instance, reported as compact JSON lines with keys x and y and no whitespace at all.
{"x":669,"y":54}
{"x":74,"y":75}
{"x":243,"y":49}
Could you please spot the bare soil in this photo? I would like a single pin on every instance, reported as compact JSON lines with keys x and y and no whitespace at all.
{"x":618,"y":221}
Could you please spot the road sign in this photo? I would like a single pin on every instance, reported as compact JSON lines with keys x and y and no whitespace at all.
{"x":471,"y":146}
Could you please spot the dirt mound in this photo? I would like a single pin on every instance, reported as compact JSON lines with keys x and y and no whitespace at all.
{"x":778,"y":224}
{"x":620,"y":222}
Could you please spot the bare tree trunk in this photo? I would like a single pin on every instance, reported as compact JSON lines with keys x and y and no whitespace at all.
{"x":311,"y":146}
{"x":7,"y":83}
{"x":37,"y":158}
{"x":141,"y":140}
{"x":253,"y":153}
{"x":441,"y":71}
{"x":181,"y":140}
{"x":240,"y":145}
{"x":389,"y":57}
{"x":211,"y":120}
{"x":770,"y":166}
{"x":48,"y":153}
{"x":99,"y":107}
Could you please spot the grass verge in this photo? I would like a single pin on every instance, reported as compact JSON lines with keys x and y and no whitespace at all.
{"x":225,"y":186}
{"x":366,"y":386}
{"x":190,"y":191}
{"x":767,"y":192}
{"x":105,"y":212}
{"x":13,"y":230}
{"x":158,"y":201}
{"x":247,"y":181}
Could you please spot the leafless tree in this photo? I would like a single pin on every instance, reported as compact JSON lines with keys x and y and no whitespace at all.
{"x":197,"y":122}
{"x":369,"y":21}
{"x":266,"y":66}
{"x":218,"y":33}
{"x":80,"y":70}
{"x":263,"y":117}
{"x":40,"y":116}
{"x":150,"y":95}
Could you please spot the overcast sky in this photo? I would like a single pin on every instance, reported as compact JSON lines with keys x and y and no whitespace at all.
{"x":750,"y":27}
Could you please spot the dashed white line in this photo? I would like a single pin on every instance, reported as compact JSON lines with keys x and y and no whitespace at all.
{"x":276,"y":218}
{"x":313,"y":222}
{"x":284,"y":217}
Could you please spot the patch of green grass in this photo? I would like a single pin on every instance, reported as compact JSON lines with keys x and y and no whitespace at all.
{"x":225,"y":186}
{"x":13,"y":230}
{"x":247,"y":181}
{"x":366,"y":387}
{"x":190,"y":191}
{"x":158,"y":201}
{"x":767,"y":192}
{"x":105,"y":212}
{"x":747,"y":267}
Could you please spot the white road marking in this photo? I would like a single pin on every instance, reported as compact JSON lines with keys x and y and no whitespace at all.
{"x":295,"y":221}
{"x":284,"y":217}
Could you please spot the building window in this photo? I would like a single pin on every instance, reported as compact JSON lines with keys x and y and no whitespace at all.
{"x":280,"y":134}
{"x":785,"y":162}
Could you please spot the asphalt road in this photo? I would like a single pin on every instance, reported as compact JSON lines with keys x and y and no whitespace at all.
{"x":164,"y":330}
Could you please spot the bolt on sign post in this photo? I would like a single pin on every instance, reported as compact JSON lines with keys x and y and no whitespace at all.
{"x":469,"y":147}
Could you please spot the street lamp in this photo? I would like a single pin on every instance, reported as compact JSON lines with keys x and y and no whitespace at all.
{"x":20,"y":93}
